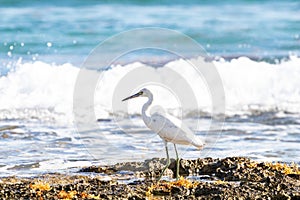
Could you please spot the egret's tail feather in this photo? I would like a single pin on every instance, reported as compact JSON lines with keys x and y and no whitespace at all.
{"x":198,"y":143}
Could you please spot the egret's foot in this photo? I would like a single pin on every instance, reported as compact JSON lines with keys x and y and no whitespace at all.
{"x":163,"y":171}
{"x":177,"y":162}
{"x":161,"y":175}
{"x":177,"y":169}
{"x":177,"y":175}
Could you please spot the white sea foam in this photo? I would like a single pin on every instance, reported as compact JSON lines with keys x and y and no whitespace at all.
{"x":37,"y":90}
{"x":259,"y":85}
{"x":41,"y":90}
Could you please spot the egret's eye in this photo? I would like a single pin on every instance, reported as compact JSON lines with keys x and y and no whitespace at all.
{"x":140,"y":93}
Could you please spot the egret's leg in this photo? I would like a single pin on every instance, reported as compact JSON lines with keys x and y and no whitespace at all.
{"x":177,"y":163}
{"x":168,"y":162}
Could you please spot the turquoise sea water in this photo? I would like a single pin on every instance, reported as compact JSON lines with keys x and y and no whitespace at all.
{"x":66,"y":31}
{"x":254,"y":44}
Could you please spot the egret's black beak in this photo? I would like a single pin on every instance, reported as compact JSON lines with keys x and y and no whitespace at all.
{"x":133,"y":96}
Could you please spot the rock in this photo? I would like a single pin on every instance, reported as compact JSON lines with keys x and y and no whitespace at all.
{"x":228,"y":178}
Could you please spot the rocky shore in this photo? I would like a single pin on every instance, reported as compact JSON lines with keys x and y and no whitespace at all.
{"x":228,"y":178}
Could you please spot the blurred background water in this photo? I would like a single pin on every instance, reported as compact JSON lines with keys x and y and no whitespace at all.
{"x":67,"y":31}
{"x":254,"y":44}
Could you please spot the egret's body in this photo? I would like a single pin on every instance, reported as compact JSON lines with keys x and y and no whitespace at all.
{"x":169,"y":128}
{"x":173,"y":130}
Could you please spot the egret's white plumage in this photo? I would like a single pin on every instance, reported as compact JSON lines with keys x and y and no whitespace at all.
{"x":168,"y":127}
{"x":171,"y":129}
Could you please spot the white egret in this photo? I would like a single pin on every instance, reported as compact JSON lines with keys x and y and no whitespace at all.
{"x":169,"y":128}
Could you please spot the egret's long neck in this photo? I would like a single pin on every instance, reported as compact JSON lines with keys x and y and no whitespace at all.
{"x":147,"y":118}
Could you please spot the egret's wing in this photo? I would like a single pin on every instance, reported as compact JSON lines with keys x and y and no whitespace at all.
{"x":173,"y":130}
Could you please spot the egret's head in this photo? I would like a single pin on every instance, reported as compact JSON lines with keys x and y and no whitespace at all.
{"x":142,"y":93}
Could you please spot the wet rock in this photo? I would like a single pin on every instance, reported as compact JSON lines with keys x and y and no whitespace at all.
{"x":99,"y":169}
{"x":228,"y":178}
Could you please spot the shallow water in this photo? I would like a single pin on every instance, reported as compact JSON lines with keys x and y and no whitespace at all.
{"x":36,"y":147}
